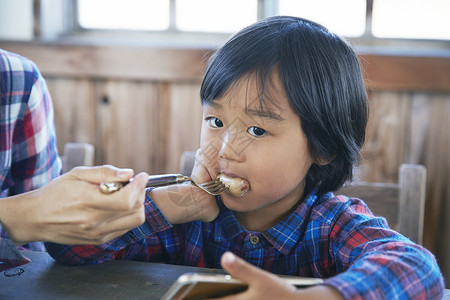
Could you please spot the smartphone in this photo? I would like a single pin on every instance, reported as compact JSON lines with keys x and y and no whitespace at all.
{"x":193,"y":286}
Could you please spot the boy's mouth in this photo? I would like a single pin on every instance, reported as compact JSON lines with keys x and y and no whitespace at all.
{"x":237,"y":187}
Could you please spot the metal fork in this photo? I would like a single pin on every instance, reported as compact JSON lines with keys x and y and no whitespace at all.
{"x":214,"y":187}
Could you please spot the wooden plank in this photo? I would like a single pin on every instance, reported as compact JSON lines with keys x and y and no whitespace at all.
{"x":161,"y":146}
{"x":431,"y":147}
{"x":186,"y":121}
{"x":411,"y":212}
{"x":142,"y":63}
{"x":126,"y":113}
{"x":384,"y":72}
{"x":74,"y":109}
{"x":386,"y":138}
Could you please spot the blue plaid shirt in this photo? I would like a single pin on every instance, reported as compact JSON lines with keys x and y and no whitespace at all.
{"x":28,"y":153}
{"x":331,"y":237}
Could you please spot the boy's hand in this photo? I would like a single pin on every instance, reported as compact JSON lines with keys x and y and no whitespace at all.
{"x":185,"y":202}
{"x":205,"y":203}
{"x":264,"y":285}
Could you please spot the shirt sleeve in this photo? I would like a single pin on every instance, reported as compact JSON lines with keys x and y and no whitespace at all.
{"x":34,"y":153}
{"x":379,"y":263}
{"x":140,"y":243}
{"x":10,"y":257}
{"x":29,"y":154}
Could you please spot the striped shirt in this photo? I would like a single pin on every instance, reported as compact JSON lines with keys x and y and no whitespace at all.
{"x":331,"y":237}
{"x":28,"y":154}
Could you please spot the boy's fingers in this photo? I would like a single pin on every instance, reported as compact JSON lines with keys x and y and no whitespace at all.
{"x":199,"y":172}
{"x":240,"y":269}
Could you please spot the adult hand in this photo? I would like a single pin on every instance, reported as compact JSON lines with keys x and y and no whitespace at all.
{"x":72,"y":210}
{"x":186,"y":202}
{"x":264,"y":285}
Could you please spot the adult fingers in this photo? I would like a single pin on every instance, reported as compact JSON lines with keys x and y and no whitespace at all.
{"x":129,"y":197}
{"x":102,"y":228}
{"x":136,"y":190}
{"x":117,"y":227}
{"x":99,"y":174}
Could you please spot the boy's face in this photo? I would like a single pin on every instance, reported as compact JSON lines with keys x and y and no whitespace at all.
{"x":264,"y":145}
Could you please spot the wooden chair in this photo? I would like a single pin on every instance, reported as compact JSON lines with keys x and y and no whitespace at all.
{"x":402,"y":203}
{"x":77,"y":154}
{"x":187,"y":161}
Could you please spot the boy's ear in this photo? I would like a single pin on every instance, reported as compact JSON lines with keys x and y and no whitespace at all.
{"x":322,"y":161}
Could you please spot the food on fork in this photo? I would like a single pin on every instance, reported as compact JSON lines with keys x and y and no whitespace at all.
{"x":237,"y":187}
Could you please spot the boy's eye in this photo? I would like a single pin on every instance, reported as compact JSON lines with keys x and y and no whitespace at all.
{"x":215,"y":122}
{"x":256,"y":131}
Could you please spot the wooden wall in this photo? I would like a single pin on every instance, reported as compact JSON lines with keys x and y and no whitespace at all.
{"x":141,"y":109}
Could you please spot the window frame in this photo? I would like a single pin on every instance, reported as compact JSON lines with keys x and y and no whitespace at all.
{"x":71,"y":31}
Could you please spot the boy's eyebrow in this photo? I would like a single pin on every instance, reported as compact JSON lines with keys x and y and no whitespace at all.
{"x":255,"y":112}
{"x":267,"y":114}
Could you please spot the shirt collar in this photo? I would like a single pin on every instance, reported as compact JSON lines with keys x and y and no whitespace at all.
{"x":227,"y":227}
{"x":283,"y":236}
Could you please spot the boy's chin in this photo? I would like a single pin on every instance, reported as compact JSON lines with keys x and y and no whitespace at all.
{"x":233,"y":203}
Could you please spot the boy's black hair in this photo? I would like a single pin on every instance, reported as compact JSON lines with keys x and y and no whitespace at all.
{"x":322,"y":79}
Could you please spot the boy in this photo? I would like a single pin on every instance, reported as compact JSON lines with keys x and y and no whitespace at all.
{"x":285,"y":108}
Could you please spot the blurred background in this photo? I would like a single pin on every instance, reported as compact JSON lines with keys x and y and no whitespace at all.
{"x":124,"y":75}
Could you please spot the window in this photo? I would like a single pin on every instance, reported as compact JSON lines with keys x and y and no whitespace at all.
{"x":155,"y":15}
{"x":124,"y":14}
{"x":214,"y":15}
{"x":347,"y":17}
{"x":415,"y":19}
{"x":400,"y":19}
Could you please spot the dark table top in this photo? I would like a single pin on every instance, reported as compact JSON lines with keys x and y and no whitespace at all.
{"x":43,"y":278}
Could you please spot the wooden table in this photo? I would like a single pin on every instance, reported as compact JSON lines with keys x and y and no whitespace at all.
{"x":43,"y":278}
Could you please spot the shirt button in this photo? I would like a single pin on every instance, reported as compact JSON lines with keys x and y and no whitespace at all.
{"x":254,"y":239}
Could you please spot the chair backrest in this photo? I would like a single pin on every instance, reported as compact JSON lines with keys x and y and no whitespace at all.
{"x":402,"y":203}
{"x":77,"y":154}
{"x":187,"y":161}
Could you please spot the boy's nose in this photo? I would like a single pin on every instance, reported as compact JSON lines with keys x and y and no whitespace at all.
{"x":231,"y":146}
